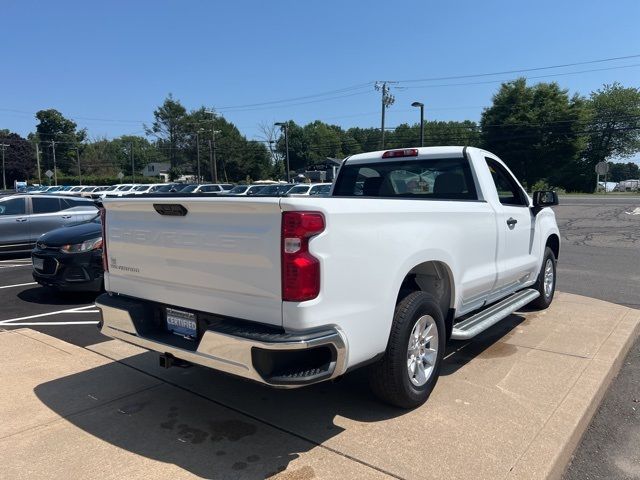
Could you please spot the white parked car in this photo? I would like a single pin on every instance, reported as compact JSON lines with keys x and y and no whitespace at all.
{"x":311,"y":189}
{"x":415,"y":246}
{"x":245,"y":190}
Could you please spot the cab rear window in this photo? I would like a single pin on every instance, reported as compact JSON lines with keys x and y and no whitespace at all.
{"x":437,"y":179}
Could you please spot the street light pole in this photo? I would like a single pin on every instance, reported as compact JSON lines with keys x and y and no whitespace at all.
{"x":3,"y":146}
{"x":79,"y":171}
{"x":55,"y":170}
{"x":421,"y":105}
{"x":285,"y":127}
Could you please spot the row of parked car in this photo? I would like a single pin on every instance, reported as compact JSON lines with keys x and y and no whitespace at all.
{"x":61,"y":227}
{"x":277,"y":189}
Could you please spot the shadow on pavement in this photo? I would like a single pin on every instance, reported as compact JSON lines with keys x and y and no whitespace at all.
{"x":459,"y":353}
{"x":49,"y":296}
{"x":173,"y":424}
{"x":216,"y":425}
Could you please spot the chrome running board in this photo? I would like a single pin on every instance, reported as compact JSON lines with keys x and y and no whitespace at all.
{"x":484,"y":319}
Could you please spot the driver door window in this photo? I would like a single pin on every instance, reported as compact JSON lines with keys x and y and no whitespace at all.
{"x":509,"y":192}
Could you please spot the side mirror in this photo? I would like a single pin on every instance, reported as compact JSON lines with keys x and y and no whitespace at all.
{"x":544,"y":198}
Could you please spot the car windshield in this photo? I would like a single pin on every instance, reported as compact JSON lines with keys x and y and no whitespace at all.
{"x":111,"y":188}
{"x":125,"y":189}
{"x":255,"y":189}
{"x":188,"y":189}
{"x":320,"y":190}
{"x":141,"y":188}
{"x":168,"y":188}
{"x":239,"y":189}
{"x":299,"y":189}
{"x":269,"y":190}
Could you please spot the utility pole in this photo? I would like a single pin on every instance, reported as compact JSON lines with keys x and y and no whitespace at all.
{"x":387,"y":101}
{"x":214,"y":174}
{"x":285,"y":126}
{"x":198,"y":154}
{"x":79,"y":171}
{"x":211,"y":161}
{"x":133,"y":167}
{"x":3,"y":146}
{"x":55,"y":170}
{"x":38,"y":162}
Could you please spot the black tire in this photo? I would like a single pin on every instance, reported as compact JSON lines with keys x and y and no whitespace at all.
{"x":389,"y":377}
{"x":545,"y":298}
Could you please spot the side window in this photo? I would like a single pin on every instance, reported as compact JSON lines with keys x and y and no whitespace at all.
{"x":45,"y":205}
{"x":15,"y":206}
{"x":509,"y":192}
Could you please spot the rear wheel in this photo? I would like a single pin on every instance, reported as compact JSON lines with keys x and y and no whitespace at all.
{"x":409,"y":370}
{"x":546,"y":282}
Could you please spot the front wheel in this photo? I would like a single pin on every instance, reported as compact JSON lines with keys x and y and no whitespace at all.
{"x":409,"y":369}
{"x":546,"y":282}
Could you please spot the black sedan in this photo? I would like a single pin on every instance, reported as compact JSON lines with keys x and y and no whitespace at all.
{"x":70,"y":258}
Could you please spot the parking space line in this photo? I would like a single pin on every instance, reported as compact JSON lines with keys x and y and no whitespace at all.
{"x":40,"y":315}
{"x":33,"y":324}
{"x":15,"y":266}
{"x":17,"y":260}
{"x":18,"y":285}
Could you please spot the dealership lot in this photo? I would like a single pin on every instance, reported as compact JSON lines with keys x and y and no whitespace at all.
{"x":511,"y":403}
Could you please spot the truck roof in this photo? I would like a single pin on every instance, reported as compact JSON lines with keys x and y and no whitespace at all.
{"x":423,"y":152}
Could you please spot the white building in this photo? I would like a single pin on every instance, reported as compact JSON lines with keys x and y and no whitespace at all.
{"x":155,"y":169}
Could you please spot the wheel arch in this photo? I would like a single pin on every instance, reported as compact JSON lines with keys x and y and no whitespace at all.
{"x":553,"y":242}
{"x":436,"y":278}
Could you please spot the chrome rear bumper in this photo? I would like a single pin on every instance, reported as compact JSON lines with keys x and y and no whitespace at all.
{"x":237,"y":351}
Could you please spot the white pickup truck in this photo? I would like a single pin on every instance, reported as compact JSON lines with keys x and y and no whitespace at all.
{"x":413,"y":247}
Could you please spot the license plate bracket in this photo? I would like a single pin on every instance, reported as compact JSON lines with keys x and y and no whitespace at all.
{"x":38,"y":263}
{"x":181,"y":323}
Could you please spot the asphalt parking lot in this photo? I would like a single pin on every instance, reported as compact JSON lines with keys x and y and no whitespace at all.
{"x":599,"y":258}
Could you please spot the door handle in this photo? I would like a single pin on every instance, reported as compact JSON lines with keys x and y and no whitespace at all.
{"x":66,"y":216}
{"x":511,"y":222}
{"x":21,"y":219}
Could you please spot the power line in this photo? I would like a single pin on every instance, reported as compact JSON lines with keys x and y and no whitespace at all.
{"x":486,"y":82}
{"x":524,"y":70}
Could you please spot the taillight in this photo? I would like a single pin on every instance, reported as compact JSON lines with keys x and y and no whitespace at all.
{"x":405,"y":152}
{"x":300,"y":269}
{"x":103,"y":221}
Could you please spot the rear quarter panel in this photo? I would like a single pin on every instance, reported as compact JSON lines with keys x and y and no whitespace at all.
{"x":368,"y":247}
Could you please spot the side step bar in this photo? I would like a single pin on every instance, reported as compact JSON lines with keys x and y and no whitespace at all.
{"x":479,"y":322}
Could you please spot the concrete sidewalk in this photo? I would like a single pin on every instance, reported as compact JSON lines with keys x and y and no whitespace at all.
{"x":512,"y":403}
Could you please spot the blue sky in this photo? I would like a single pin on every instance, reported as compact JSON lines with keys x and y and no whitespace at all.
{"x":107,"y":65}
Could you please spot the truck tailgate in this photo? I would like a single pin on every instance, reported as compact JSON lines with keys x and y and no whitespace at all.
{"x":221,"y":257}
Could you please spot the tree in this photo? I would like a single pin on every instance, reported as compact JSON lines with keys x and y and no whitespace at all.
{"x":536,"y":131}
{"x":170,"y":127}
{"x":54,"y":127}
{"x":613,"y":125}
{"x":623,"y":171}
{"x":19,"y":157}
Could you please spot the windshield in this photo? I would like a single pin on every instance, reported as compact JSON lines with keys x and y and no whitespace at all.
{"x":270,"y":190}
{"x":299,"y":189}
{"x":111,"y":188}
{"x":320,"y":190}
{"x":255,"y":189}
{"x":188,"y":189}
{"x":239,"y":189}
{"x":141,"y":188}
{"x":124,"y":189}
